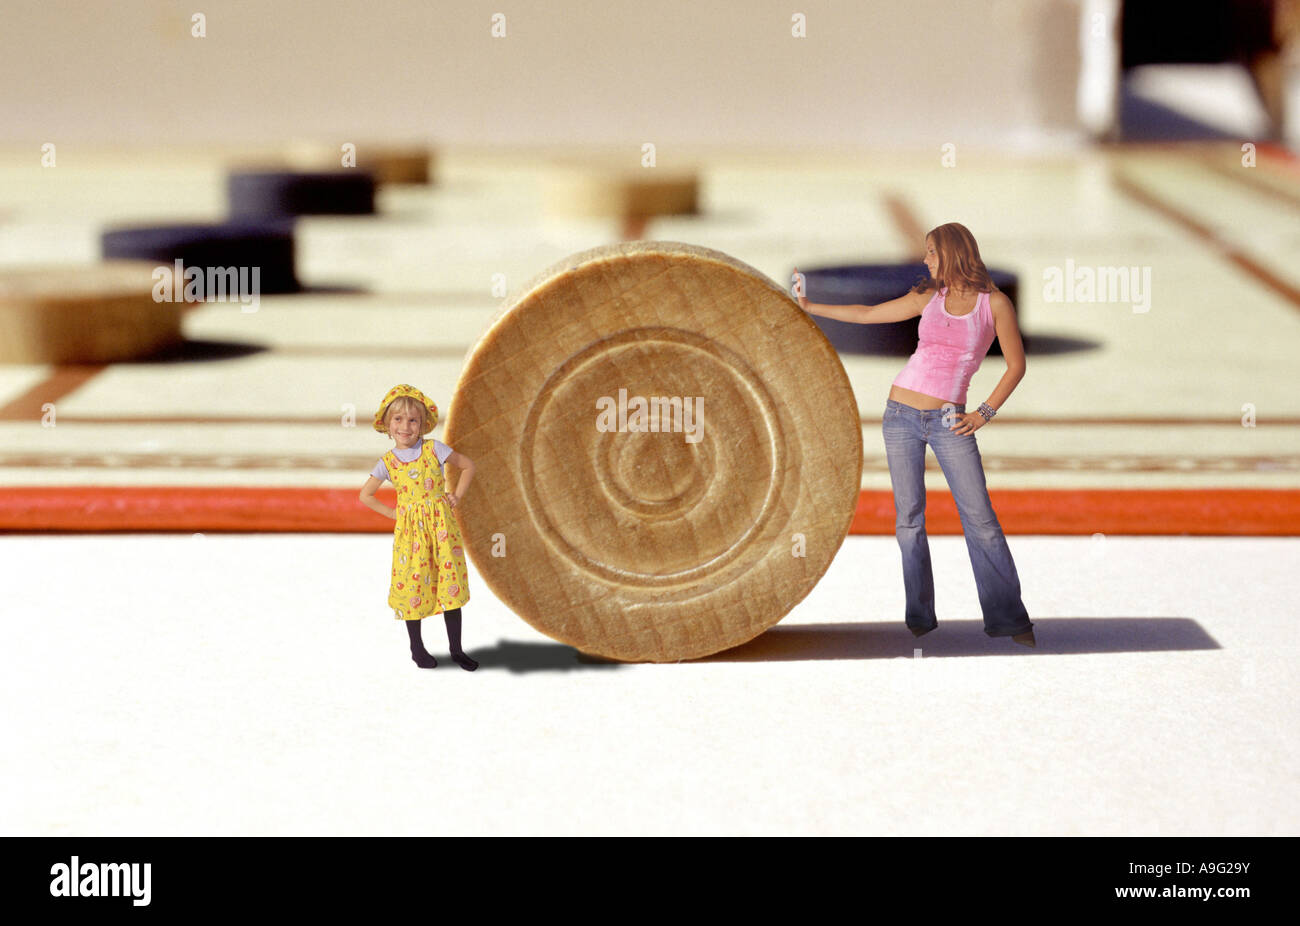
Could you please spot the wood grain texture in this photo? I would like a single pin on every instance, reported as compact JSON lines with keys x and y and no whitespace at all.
{"x":665,"y":543}
{"x":95,"y":313}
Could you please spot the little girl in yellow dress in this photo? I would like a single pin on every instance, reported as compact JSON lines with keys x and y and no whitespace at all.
{"x":429,"y":572}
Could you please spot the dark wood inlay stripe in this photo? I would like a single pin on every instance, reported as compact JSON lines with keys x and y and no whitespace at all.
{"x":1140,"y":194}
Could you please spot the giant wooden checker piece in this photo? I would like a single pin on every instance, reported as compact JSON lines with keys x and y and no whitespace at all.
{"x":644,"y":545}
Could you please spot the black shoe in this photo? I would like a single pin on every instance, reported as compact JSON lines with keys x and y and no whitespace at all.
{"x":921,"y":633}
{"x":1027,"y":638}
{"x":425,"y":660}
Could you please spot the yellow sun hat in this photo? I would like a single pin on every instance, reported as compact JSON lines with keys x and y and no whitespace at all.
{"x":431,"y":410}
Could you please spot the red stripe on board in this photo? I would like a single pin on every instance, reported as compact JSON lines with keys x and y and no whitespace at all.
{"x":1279,"y":153}
{"x":1148,"y":512}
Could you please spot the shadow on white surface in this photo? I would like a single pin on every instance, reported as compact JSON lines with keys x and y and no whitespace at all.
{"x":1055,"y":636}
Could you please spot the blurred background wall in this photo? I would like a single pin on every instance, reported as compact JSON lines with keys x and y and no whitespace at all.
{"x":995,"y":72}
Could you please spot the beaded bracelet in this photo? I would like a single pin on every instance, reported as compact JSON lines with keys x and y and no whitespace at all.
{"x":987,"y":410}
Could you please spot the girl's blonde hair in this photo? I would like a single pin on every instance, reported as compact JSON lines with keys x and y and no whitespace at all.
{"x":959,"y":261}
{"x":410,"y":404}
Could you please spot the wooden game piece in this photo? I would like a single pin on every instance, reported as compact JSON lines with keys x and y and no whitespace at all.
{"x":97,"y":313}
{"x":632,"y":194}
{"x":668,"y":453}
{"x":267,"y":245}
{"x":387,"y":163}
{"x":398,"y":166}
{"x":872,"y":284}
{"x":262,"y":194}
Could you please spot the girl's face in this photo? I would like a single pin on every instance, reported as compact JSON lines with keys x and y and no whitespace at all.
{"x":404,"y":425}
{"x":931,"y":257}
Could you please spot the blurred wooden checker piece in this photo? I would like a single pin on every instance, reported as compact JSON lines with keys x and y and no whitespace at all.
{"x":631,"y":193}
{"x":668,"y":452}
{"x":388,"y":163}
{"x":96,"y":313}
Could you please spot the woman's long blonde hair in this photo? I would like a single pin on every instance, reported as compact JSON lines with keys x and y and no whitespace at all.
{"x":959,"y":261}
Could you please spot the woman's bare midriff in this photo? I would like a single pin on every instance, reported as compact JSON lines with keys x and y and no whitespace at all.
{"x":915,"y":399}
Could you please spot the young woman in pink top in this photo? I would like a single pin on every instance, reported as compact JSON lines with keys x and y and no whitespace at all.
{"x":961,"y":312}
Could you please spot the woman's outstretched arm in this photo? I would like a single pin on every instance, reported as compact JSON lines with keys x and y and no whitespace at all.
{"x":895,"y":310}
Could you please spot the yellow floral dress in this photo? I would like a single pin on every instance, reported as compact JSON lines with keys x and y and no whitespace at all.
{"x":429,"y":574}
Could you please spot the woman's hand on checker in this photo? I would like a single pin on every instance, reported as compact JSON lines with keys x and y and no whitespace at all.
{"x":802,"y":297}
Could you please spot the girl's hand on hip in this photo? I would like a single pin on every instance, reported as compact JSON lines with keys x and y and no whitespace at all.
{"x":451,"y":498}
{"x":966,"y":423}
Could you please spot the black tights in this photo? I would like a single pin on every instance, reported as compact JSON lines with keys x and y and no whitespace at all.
{"x":424,"y":659}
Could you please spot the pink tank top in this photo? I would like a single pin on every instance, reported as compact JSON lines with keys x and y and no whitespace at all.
{"x":951,"y":349}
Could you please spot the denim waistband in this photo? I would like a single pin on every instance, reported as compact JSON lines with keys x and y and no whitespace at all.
{"x":933,"y":412}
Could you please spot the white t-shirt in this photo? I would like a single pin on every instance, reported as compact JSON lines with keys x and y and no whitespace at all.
{"x":410,"y":455}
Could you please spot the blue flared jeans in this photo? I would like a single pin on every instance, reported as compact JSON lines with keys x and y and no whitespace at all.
{"x":907,"y":430}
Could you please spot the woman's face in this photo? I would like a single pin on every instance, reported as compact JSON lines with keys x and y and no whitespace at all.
{"x":931,"y":257}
